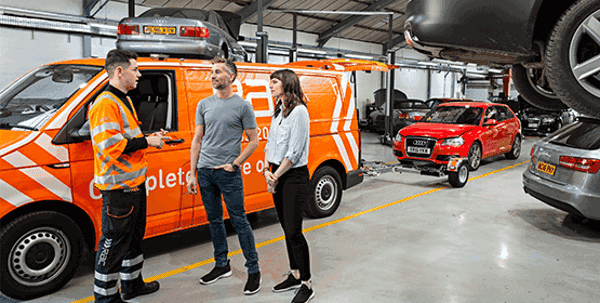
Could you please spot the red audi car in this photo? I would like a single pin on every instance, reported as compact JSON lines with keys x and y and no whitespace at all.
{"x":459,"y":133}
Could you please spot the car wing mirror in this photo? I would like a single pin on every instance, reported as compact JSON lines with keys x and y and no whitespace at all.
{"x":490,"y":122}
{"x":83,"y":133}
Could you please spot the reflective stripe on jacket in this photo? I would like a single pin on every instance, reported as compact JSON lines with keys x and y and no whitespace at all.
{"x":111,"y":125}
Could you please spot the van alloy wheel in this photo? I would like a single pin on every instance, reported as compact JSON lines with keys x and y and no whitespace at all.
{"x":326,"y":192}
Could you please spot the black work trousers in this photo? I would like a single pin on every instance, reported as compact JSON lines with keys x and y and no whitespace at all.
{"x":119,"y":251}
{"x":291,"y":195}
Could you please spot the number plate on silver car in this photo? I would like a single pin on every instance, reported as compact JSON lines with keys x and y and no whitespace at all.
{"x":418,"y":150}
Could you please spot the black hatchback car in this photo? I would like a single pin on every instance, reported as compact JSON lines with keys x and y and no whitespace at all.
{"x":551,"y":46}
{"x":540,"y":122}
{"x":405,"y":112}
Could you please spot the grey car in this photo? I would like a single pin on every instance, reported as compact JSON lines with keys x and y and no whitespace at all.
{"x":183,"y":33}
{"x":563,"y":171}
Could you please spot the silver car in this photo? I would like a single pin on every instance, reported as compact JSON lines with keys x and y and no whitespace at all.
{"x":563,"y":172}
{"x":182,"y":32}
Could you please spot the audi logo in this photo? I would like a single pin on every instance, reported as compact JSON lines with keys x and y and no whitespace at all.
{"x":419,"y":142}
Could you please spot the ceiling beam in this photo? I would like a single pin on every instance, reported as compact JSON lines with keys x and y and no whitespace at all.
{"x":348,"y":22}
{"x":249,"y":11}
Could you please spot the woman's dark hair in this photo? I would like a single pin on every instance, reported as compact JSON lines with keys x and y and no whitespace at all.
{"x":292,"y":92}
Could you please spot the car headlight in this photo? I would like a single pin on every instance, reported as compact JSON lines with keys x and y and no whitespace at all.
{"x":456,"y":141}
{"x":398,"y":138}
{"x":548,"y":120}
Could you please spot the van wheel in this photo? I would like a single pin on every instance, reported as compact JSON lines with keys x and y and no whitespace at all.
{"x":326,"y":193}
{"x":459,"y":178}
{"x":515,"y":151}
{"x":40,"y":253}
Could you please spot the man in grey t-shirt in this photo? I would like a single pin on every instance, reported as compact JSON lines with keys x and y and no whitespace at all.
{"x":215,"y":158}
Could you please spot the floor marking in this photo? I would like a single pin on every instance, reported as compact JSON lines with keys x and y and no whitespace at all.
{"x":308,"y":229}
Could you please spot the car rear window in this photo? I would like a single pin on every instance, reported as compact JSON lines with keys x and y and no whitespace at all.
{"x":584,"y":134}
{"x":177,"y":13}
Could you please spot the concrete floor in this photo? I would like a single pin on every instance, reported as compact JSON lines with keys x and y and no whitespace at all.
{"x":398,"y":238}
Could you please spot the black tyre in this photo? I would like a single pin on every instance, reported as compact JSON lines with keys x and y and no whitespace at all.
{"x":515,"y":150}
{"x":39,"y":253}
{"x":459,"y":178}
{"x":474,"y":156}
{"x":326,"y":193}
{"x":573,"y":70}
{"x":532,"y":85}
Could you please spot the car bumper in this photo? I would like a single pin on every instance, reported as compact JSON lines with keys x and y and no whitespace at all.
{"x":197,"y":47}
{"x":569,"y":198}
{"x":354,"y":178}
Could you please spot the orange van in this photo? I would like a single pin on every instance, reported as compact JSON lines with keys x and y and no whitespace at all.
{"x":49,"y":208}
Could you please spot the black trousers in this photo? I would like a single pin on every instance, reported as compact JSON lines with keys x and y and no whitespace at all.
{"x":119,"y":251}
{"x":291,"y":195}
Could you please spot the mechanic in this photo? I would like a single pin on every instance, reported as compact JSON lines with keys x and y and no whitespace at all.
{"x":119,"y":173}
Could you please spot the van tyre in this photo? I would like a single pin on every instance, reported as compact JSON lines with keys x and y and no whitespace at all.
{"x":39,"y":252}
{"x":533,"y":86}
{"x":515,"y":150}
{"x":569,"y":48}
{"x":460,"y":177}
{"x":326,"y":193}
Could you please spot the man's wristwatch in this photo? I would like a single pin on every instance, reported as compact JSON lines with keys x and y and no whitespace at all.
{"x":235,"y":166}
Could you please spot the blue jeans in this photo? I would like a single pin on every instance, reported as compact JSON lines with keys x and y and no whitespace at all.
{"x":213,"y":183}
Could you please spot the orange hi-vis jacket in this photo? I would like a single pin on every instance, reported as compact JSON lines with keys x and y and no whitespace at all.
{"x":111,"y":125}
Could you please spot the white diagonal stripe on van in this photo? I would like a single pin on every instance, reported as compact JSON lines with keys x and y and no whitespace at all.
{"x":49,"y":182}
{"x":353,"y":145}
{"x":60,"y":120}
{"x":59,"y":152}
{"x":337,"y":110}
{"x":343,"y":152}
{"x":17,"y":159}
{"x":12,"y":195}
{"x":19,"y":144}
{"x":351,"y":110}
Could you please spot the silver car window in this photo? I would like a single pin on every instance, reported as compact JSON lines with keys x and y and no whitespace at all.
{"x":584,"y":134}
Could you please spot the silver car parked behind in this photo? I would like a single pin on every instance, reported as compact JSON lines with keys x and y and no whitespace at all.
{"x":563,"y":172}
{"x":183,"y":32}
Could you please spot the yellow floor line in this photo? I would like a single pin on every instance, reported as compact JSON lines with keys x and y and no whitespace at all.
{"x":274,"y":240}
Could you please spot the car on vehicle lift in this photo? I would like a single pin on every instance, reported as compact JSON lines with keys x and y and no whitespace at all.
{"x":551,"y":45}
{"x":453,"y":138}
{"x":183,"y":32}
{"x":563,"y":171}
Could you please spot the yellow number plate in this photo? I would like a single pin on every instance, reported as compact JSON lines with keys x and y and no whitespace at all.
{"x":159,"y":30}
{"x":545,"y":167}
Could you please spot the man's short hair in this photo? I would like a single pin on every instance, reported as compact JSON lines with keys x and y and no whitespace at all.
{"x":118,"y":57}
{"x":229,"y":65}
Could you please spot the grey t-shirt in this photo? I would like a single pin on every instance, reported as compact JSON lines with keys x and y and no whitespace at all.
{"x":224,"y":123}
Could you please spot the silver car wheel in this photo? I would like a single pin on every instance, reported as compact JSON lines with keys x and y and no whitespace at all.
{"x":326,"y":193}
{"x":475,"y":156}
{"x":463,"y":174}
{"x":585,"y":71}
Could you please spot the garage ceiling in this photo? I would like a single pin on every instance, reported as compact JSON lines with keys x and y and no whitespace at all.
{"x":366,"y":28}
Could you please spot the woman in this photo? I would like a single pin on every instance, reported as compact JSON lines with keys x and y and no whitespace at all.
{"x":288,"y":178}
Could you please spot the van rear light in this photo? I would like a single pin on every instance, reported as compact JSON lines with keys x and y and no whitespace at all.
{"x":125,"y":29}
{"x":585,"y":165}
{"x":198,"y":32}
{"x":403,"y":115}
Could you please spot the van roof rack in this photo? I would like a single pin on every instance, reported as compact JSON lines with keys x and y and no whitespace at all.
{"x":346,"y":65}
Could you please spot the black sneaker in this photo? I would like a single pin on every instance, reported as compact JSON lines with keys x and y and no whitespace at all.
{"x":253,"y":284}
{"x":146,"y":288}
{"x":304,"y":294}
{"x":215,"y":274}
{"x":287,"y":284}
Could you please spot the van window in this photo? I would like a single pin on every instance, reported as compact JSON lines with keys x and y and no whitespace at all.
{"x":584,"y":134}
{"x":154,"y":100}
{"x":31,"y":101}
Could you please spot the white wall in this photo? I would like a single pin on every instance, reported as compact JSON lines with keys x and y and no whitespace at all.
{"x":23,"y":49}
